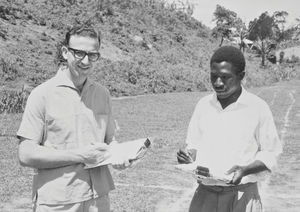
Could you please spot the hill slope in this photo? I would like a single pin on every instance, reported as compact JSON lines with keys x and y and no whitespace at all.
{"x":148,"y":46}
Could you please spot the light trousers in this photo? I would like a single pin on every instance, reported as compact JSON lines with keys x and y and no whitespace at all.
{"x":100,"y":204}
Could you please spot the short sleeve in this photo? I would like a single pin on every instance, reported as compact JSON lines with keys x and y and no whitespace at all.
{"x":32,"y":124}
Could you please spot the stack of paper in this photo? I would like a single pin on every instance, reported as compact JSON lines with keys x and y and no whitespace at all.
{"x":131,"y":150}
{"x":211,"y":181}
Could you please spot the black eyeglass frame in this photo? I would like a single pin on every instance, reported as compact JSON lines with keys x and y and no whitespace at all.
{"x":89,"y":54}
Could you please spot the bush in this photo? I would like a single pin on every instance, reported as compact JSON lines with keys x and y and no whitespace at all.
{"x":287,"y":72}
{"x":13,"y":101}
{"x":260,"y":76}
{"x":8,"y":70}
{"x":293,"y":59}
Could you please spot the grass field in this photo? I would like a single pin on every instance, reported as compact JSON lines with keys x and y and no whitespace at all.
{"x":154,"y":184}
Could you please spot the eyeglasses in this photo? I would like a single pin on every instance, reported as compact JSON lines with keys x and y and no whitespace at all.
{"x":80,"y":54}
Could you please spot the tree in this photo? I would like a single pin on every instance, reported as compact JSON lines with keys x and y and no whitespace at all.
{"x":280,"y":18}
{"x":298,"y":23}
{"x":279,"y":21}
{"x":241,"y":32}
{"x":261,"y":31}
{"x":297,"y":27}
{"x":225,"y":20}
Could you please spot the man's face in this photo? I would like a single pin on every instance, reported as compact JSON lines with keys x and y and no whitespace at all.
{"x":80,"y":55}
{"x":225,"y":80}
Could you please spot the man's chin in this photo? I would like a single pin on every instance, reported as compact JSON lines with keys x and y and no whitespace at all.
{"x":84,"y":70}
{"x":222,"y":95}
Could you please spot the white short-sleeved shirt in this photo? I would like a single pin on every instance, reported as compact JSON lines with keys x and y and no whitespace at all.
{"x":238,"y":135}
{"x":57,"y":116}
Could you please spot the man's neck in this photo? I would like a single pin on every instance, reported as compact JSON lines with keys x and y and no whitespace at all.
{"x":78,"y":83}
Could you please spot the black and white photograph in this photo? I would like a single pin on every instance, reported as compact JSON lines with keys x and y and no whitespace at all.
{"x":149,"y":106}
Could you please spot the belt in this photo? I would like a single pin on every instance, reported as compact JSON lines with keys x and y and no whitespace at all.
{"x":219,"y":189}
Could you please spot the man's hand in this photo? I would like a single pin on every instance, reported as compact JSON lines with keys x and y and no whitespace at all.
{"x":118,"y":158}
{"x":242,"y":171}
{"x":93,"y":154}
{"x":186,"y":156}
{"x":120,"y":163}
{"x":239,"y":173}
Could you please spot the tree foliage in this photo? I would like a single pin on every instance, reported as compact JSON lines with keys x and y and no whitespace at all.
{"x":225,"y":20}
{"x":262,"y":27}
{"x":240,"y":32}
{"x":261,"y":31}
{"x":297,"y":27}
{"x":280,"y":18}
{"x":280,"y":21}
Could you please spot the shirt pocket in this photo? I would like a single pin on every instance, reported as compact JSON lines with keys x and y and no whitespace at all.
{"x":75,"y":130}
{"x":62,"y":132}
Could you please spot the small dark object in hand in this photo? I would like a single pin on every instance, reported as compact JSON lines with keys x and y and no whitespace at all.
{"x":141,"y":152}
{"x":147,"y":143}
{"x":204,"y":171}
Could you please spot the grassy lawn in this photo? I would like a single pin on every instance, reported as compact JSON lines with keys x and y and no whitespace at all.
{"x":152,"y":184}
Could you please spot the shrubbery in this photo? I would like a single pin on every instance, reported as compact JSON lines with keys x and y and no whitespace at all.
{"x":163,"y":49}
{"x":12,"y":101}
{"x":257,"y":75}
{"x":8,"y":71}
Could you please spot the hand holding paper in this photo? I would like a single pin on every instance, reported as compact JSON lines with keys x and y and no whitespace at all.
{"x":204,"y":176}
{"x":94,"y":153}
{"x":118,"y":159}
{"x":121,"y":155}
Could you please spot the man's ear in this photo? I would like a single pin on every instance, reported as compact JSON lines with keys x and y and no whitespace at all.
{"x":64,"y":52}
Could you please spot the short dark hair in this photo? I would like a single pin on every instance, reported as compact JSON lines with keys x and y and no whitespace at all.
{"x":231,"y":55}
{"x":83,"y":30}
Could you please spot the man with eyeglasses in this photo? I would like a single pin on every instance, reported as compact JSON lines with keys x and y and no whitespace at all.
{"x":67,"y":123}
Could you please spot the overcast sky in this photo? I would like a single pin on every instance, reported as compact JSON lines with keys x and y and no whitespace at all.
{"x":247,"y":10}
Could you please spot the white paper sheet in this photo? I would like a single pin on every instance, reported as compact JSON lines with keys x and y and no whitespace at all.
{"x":214,"y":180}
{"x":131,"y":150}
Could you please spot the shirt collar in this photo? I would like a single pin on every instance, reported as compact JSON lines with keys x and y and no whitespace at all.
{"x":63,"y":81}
{"x":243,"y":99}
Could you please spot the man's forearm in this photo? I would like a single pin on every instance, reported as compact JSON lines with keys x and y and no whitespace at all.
{"x":41,"y":157}
{"x":254,"y":167}
{"x":242,"y":171}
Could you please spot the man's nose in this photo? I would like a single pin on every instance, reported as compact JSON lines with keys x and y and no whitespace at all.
{"x":218,"y":82}
{"x":85,"y":60}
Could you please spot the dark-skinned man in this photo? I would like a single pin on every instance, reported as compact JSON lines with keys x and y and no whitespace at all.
{"x":231,"y":135}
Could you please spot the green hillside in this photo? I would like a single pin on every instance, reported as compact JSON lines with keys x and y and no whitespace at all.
{"x":148,"y":46}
